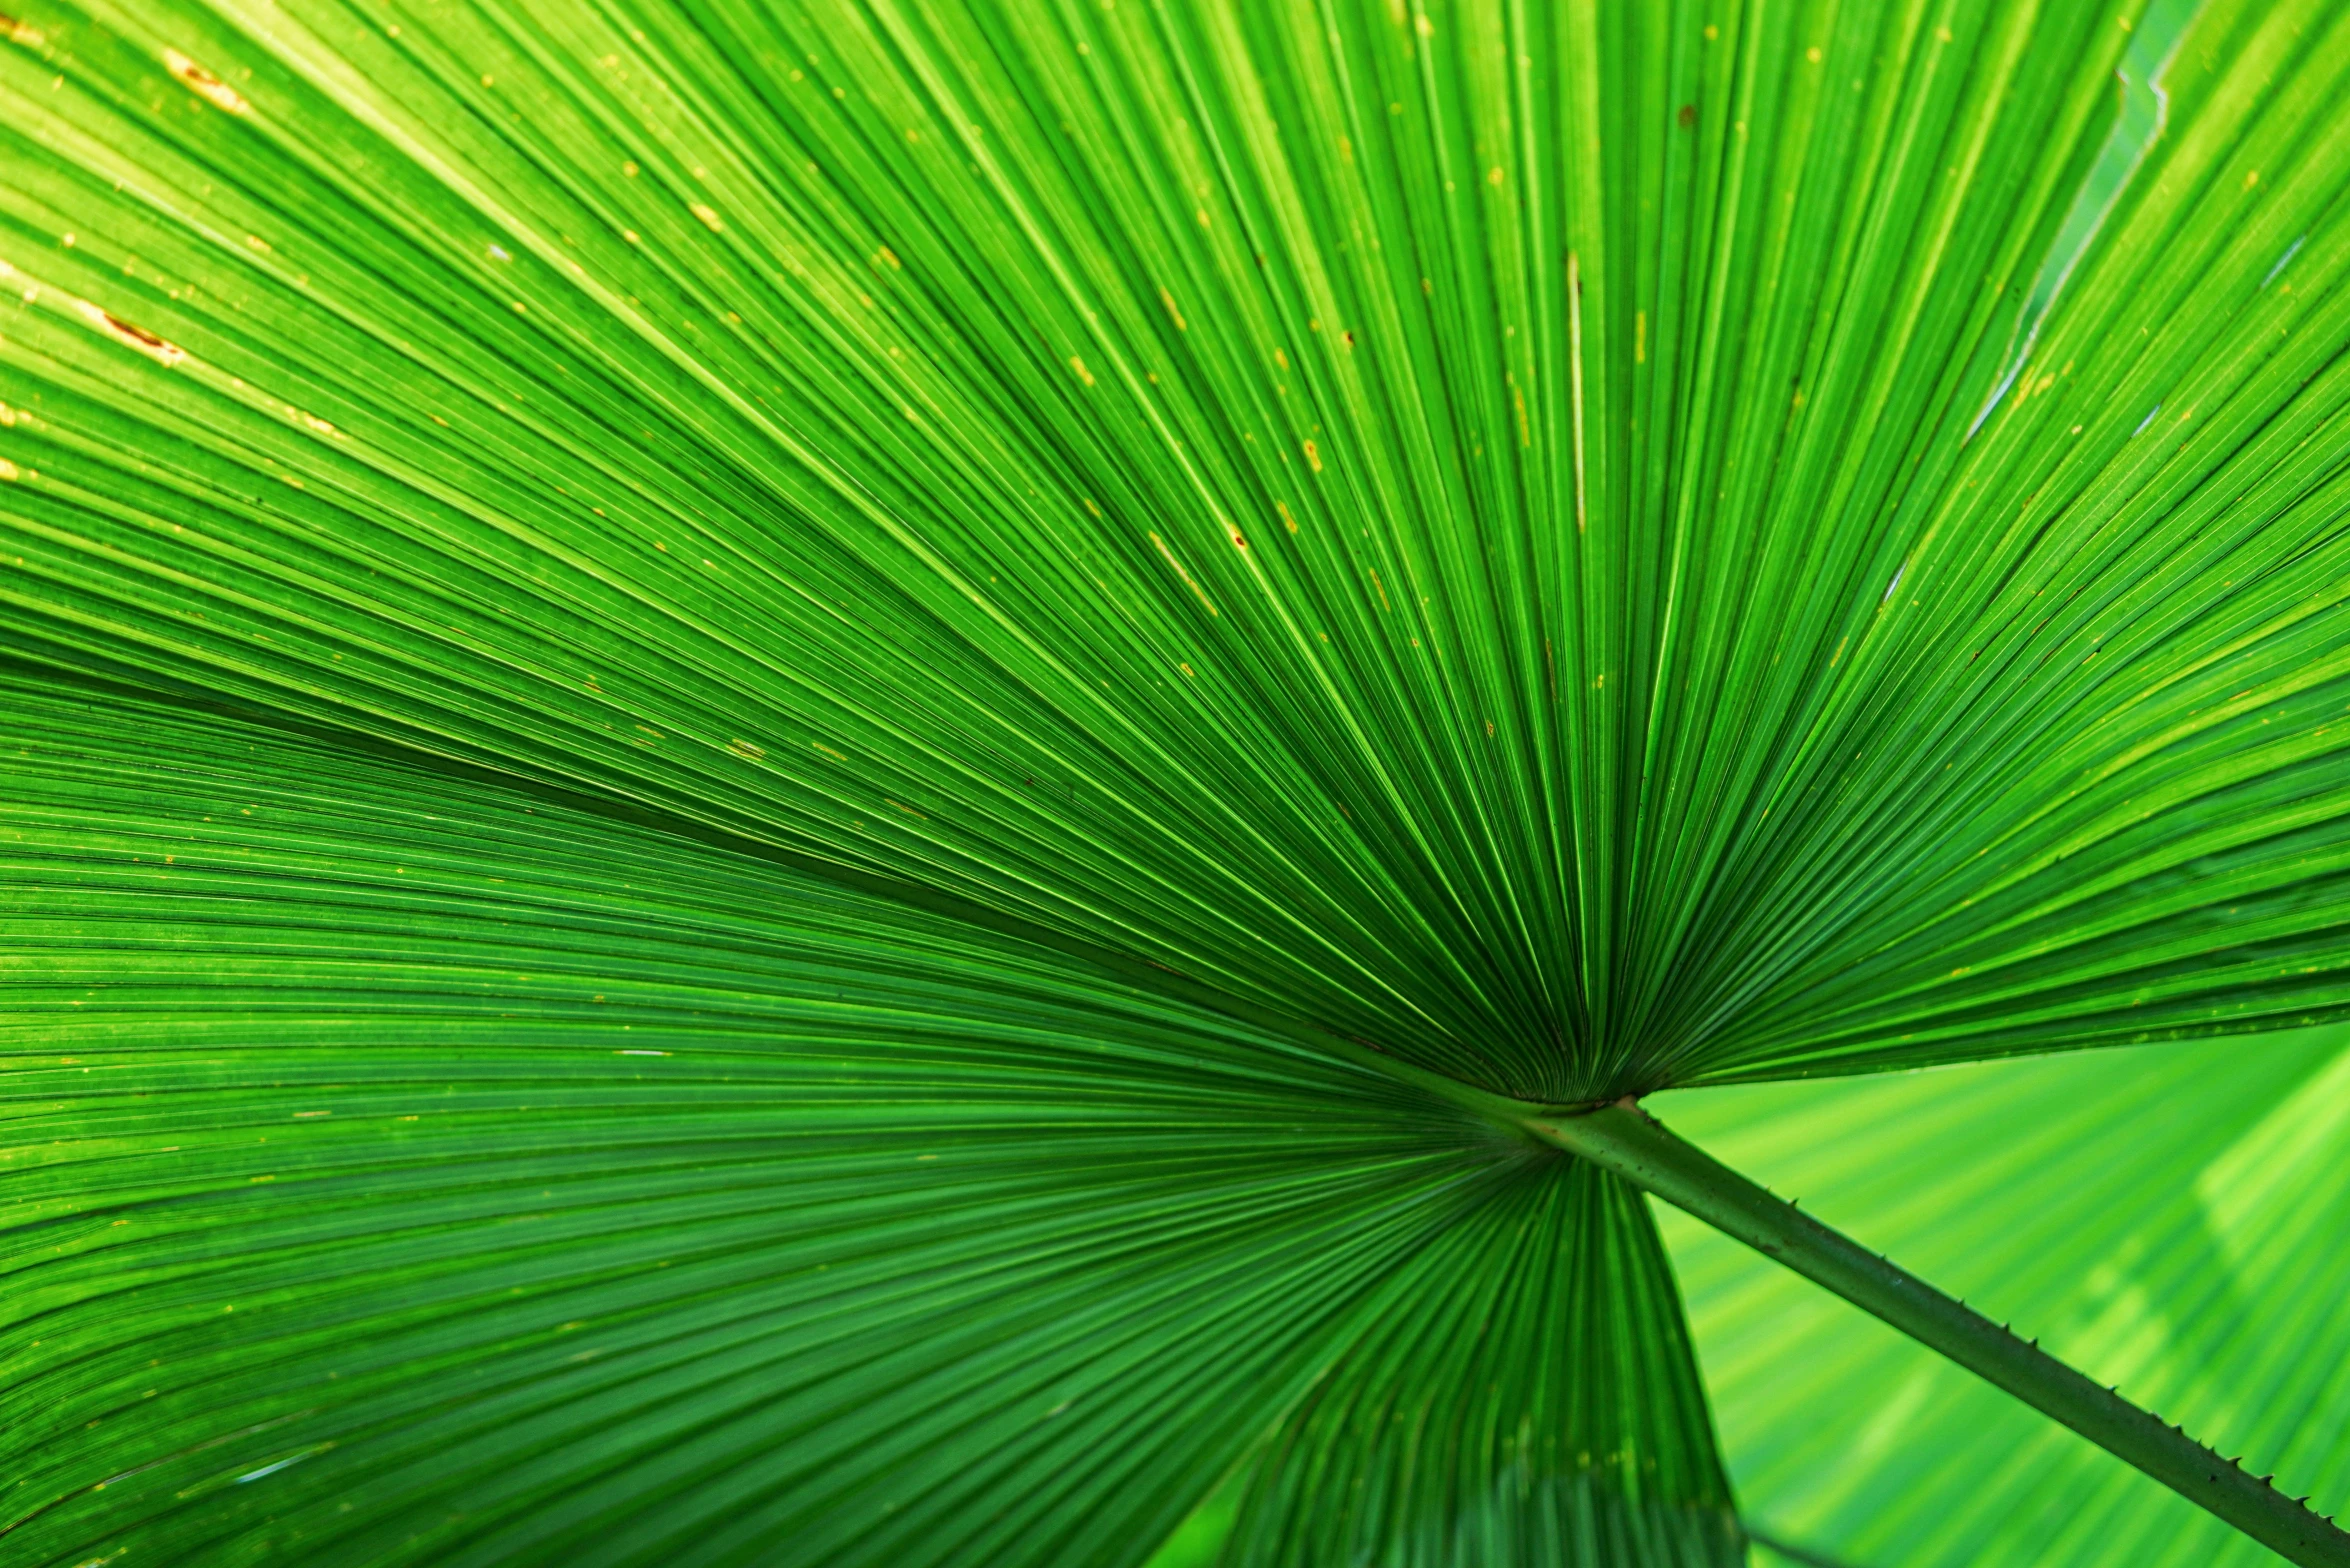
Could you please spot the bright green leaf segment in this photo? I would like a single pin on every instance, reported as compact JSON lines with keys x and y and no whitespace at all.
{"x":536,"y":532}
{"x":1626,"y":1140}
{"x":2170,"y":1223}
{"x":1156,"y":474}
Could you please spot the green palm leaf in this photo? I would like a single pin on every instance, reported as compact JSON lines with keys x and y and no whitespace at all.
{"x":1105,"y":622}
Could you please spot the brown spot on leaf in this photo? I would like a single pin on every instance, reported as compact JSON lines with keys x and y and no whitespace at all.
{"x":204,"y":84}
{"x":123,"y":332}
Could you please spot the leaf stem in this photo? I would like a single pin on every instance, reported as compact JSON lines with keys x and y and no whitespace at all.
{"x":1624,"y":1139}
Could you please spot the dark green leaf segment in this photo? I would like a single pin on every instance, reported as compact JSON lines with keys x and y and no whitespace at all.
{"x":1626,"y":1140}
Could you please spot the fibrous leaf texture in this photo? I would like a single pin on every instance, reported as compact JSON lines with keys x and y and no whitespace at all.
{"x":752,"y":753}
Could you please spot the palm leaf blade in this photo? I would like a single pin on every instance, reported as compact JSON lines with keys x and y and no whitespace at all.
{"x":1232,"y":593}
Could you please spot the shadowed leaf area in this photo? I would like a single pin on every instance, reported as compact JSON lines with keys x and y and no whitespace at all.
{"x":407,"y":1172}
{"x":744,"y":750}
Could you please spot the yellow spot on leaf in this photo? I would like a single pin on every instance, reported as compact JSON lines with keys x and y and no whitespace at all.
{"x":1188,"y":580}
